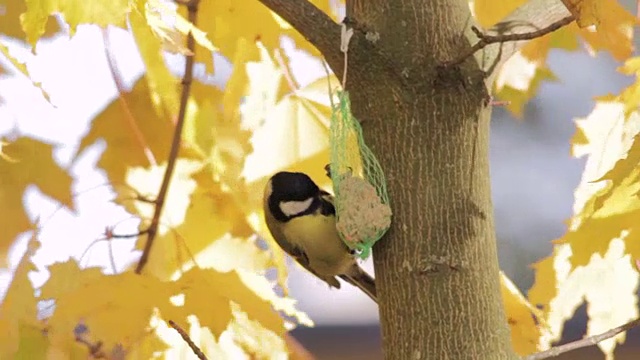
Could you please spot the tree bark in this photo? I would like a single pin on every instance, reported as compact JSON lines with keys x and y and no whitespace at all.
{"x":437,"y":269}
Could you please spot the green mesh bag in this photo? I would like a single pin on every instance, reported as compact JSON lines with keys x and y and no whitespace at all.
{"x":361,"y":200}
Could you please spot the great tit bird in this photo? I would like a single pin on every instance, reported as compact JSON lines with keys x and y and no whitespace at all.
{"x":302,"y":219}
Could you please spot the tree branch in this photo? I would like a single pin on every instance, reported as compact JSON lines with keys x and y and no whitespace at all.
{"x":192,"y":6}
{"x":313,"y":24}
{"x":486,"y":40}
{"x":532,"y":16}
{"x":196,"y":350}
{"x":589,"y":341}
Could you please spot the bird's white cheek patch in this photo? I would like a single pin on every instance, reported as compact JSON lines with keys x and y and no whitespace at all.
{"x":292,"y":208}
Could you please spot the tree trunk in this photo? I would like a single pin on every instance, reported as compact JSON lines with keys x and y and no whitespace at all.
{"x":437,"y":269}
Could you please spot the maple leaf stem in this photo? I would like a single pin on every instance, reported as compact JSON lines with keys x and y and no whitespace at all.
{"x":286,"y":71}
{"x":486,"y":39}
{"x":196,"y":350}
{"x":589,"y":341}
{"x":131,"y":121}
{"x":95,"y":350}
{"x":192,"y":6}
{"x":313,"y":24}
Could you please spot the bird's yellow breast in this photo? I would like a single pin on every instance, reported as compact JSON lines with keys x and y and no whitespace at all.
{"x":318,"y":237}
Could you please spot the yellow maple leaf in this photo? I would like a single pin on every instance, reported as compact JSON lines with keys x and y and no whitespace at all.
{"x":75,"y":12}
{"x":22,"y":67}
{"x":490,"y":12}
{"x":255,"y":339}
{"x":4,"y":50}
{"x":606,"y":201}
{"x":609,"y":26}
{"x":4,"y":156}
{"x":208,"y":295}
{"x":33,"y":343}
{"x":10,"y":11}
{"x":171,"y":27}
{"x":523,"y":318}
{"x":203,"y":113}
{"x":170,"y":249}
{"x":147,"y":347}
{"x":586,"y":11}
{"x":561,"y":288}
{"x":602,"y":238}
{"x":147,"y":181}
{"x":249,"y":257}
{"x":73,"y":278}
{"x":18,"y":311}
{"x":296,"y":129}
{"x":197,"y":213}
{"x":630,"y":96}
{"x":229,"y":20}
{"x":34,"y":165}
{"x":221,"y":135}
{"x":545,"y":286}
{"x":255,"y":73}
{"x":163,"y":86}
{"x":99,"y":304}
{"x":537,"y":50}
{"x":124,"y":149}
{"x":264,"y":288}
{"x":93,"y":305}
{"x":249,"y":97}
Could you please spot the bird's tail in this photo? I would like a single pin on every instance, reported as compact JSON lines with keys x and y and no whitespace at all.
{"x":365,"y":282}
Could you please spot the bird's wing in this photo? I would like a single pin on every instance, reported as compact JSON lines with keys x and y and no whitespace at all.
{"x":301,"y":257}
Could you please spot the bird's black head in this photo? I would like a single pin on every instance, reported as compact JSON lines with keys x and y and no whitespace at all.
{"x":293,"y":186}
{"x":292,"y":194}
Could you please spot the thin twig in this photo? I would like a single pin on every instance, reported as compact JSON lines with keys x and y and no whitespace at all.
{"x":109,"y":234}
{"x":192,"y":7}
{"x":589,"y":341}
{"x":502,"y":38}
{"x":112,"y":259}
{"x":128,"y":115}
{"x":196,"y":350}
